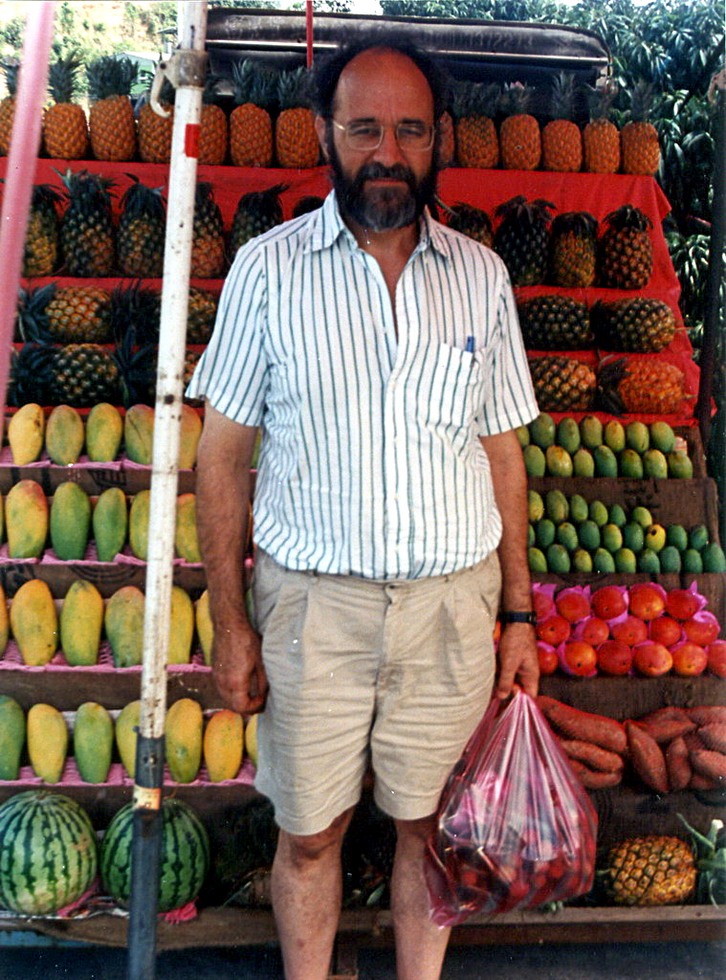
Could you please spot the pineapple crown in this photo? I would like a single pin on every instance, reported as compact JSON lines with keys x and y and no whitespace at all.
{"x":641,"y":101}
{"x":63,"y":77}
{"x":87,"y":193}
{"x":32,"y":317}
{"x":562,"y":99}
{"x":205,"y":207}
{"x":711,"y":861}
{"x":600,"y":98}
{"x":111,"y":75}
{"x":580,"y":223}
{"x":306,"y":204}
{"x":263,"y":204}
{"x":515,"y":99}
{"x":518,"y":209}
{"x":294,"y":88}
{"x":45,"y":198}
{"x":11,"y":70}
{"x":609,"y":375}
{"x":628,"y":216}
{"x":136,"y":363}
{"x":135,"y":309}
{"x":254,"y":83}
{"x":463,"y":214}
{"x":31,"y":374}
{"x":474,"y":98}
{"x":139,"y":200}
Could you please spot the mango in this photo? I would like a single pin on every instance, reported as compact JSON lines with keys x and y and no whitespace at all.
{"x":251,"y":738}
{"x":139,"y":434}
{"x":556,"y":506}
{"x":70,"y":521}
{"x":558,"y":559}
{"x":630,"y":464}
{"x":543,"y":430}
{"x":544,"y":533}
{"x":680,"y":466}
{"x":34,"y":623}
{"x":648,"y":562}
{"x":12,"y":737}
{"x":26,"y":519}
{"x":64,"y":435}
{"x":535,"y":462}
{"x":637,"y":436}
{"x":110,"y":522}
{"x":558,"y":461}
{"x":713,"y":558}
{"x":81,"y":622}
{"x":189,"y":433}
{"x":93,"y":742}
{"x":126,"y":731}
{"x":598,"y":512}
{"x":655,"y":464}
{"x":566,"y":535}
{"x":181,"y":629}
{"x":579,"y":509}
{"x":583,"y":463}
{"x":183,"y":739}
{"x":104,"y":432}
{"x":588,"y":533}
{"x":626,"y":562}
{"x":139,"y":524}
{"x":662,"y":436}
{"x":205,"y":630}
{"x":523,"y":437}
{"x":670,"y":559}
{"x":614,"y":435}
{"x":692,"y":561}
{"x":4,"y":621}
{"x":26,"y":434}
{"x":124,"y":624}
{"x":606,"y":462}
{"x":223,"y":745}
{"x":568,"y":434}
{"x":581,"y":560}
{"x":591,"y":431}
{"x":536,"y":560}
{"x":603,"y":562}
{"x":617,"y":515}
{"x":47,"y":735}
{"x":186,"y":542}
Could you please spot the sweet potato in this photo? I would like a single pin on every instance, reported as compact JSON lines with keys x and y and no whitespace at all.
{"x":669,"y":711}
{"x":710,"y":764}
{"x":713,"y":736}
{"x":664,"y":730}
{"x":583,"y":725}
{"x":594,"y":779}
{"x":678,"y":765}
{"x":592,"y":755}
{"x":706,"y":714}
{"x":647,"y":758}
{"x":702,"y":782}
{"x":693,"y":741}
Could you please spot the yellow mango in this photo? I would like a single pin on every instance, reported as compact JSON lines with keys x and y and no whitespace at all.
{"x":34,"y":623}
{"x":139,"y":434}
{"x":4,"y":621}
{"x":181,"y":630}
{"x":110,"y":522}
{"x":12,"y":737}
{"x":124,"y":624}
{"x":251,"y":738}
{"x":93,"y":742}
{"x":205,"y":630}
{"x":64,"y":435}
{"x":139,"y":524}
{"x":81,"y":622}
{"x":183,"y":739}
{"x":186,"y":541}
{"x":223,"y":745}
{"x":26,"y":434}
{"x":26,"y":519}
{"x":190,"y":431}
{"x":47,"y":735}
{"x":70,"y":521}
{"x":126,"y":731}
{"x":104,"y":432}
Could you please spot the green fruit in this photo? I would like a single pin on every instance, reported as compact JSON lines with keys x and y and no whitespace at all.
{"x":655,"y":537}
{"x":522,"y":435}
{"x":535,"y":505}
{"x":611,"y":537}
{"x":542,"y":430}
{"x":598,"y":512}
{"x":556,"y":506}
{"x":534,"y":460}
{"x":583,"y":463}
{"x":581,"y":560}
{"x":662,"y":436}
{"x":558,"y":461}
{"x":692,"y":561}
{"x":578,"y":508}
{"x":641,"y":515}
{"x":589,"y":535}
{"x":713,"y":558}
{"x":568,"y":434}
{"x":544,"y":533}
{"x":698,"y":537}
{"x":530,"y":535}
{"x":591,"y":431}
{"x":677,"y":535}
{"x":606,"y":463}
{"x":614,"y":435}
{"x":536,"y":560}
{"x":670,"y":559}
{"x":648,"y":562}
{"x":625,"y":561}
{"x":637,"y":436}
{"x":630,"y":465}
{"x":679,"y":466}
{"x":617,"y":516}
{"x":655,"y":464}
{"x":558,"y":559}
{"x":603,"y":562}
{"x":93,"y":742}
{"x":70,"y":521}
{"x":633,"y":537}
{"x":566,"y":535}
{"x":12,"y":737}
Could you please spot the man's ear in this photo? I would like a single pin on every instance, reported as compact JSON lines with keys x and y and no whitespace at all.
{"x":322,"y":133}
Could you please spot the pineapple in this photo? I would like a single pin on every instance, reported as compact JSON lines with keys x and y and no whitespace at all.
{"x":296,"y":142}
{"x":477,"y":143}
{"x":521,"y":239}
{"x":306,"y":204}
{"x":471,"y":221}
{"x":446,"y":149}
{"x":625,"y":249}
{"x":601,"y":137}
{"x":65,"y":315}
{"x":208,"y":254}
{"x":141,"y":231}
{"x":573,"y":249}
{"x":65,"y":128}
{"x":256,"y":211}
{"x":135,"y":309}
{"x":638,"y":137}
{"x":250,"y":125}
{"x":213,"y":127}
{"x":41,"y":237}
{"x":638,"y":325}
{"x":201,"y":314}
{"x":652,"y":870}
{"x":155,"y":131}
{"x":562,"y":384}
{"x":553,"y":322}
{"x":7,"y":106}
{"x":520,"y":140}
{"x":561,"y":137}
{"x":84,"y":374}
{"x":710,"y":852}
{"x":87,"y":233}
{"x":640,"y":386}
{"x":111,"y":116}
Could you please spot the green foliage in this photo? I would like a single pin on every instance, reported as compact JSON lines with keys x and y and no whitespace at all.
{"x":11,"y":37}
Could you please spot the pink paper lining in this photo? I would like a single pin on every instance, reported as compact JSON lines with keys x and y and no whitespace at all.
{"x":12,"y":660}
{"x":83,"y":462}
{"x":117,"y":776}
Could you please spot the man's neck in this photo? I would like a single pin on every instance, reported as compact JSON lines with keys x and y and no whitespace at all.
{"x":391,"y":242}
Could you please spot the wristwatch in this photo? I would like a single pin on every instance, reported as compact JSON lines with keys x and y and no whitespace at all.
{"x":518,"y":617}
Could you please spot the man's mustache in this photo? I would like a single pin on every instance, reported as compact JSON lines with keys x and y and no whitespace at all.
{"x":377,"y":171}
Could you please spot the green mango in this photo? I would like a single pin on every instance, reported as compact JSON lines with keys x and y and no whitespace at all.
{"x":603,"y":562}
{"x":558,"y":461}
{"x":713,"y":558}
{"x":12,"y":737}
{"x":698,"y":537}
{"x":543,"y":430}
{"x":579,"y":509}
{"x":617,"y":516}
{"x":544,"y":533}
{"x":662,"y":436}
{"x":692,"y":561}
{"x":556,"y":506}
{"x":535,"y":463}
{"x":655,"y":464}
{"x":614,"y":435}
{"x":581,"y":560}
{"x":641,"y":515}
{"x":536,"y":561}
{"x":110,"y":523}
{"x":630,"y":465}
{"x":535,"y":505}
{"x":70,"y":521}
{"x":670,"y":559}
{"x":568,"y":434}
{"x":679,"y":466}
{"x":93,"y":737}
{"x":611,"y":537}
{"x":625,"y":561}
{"x":637,"y":436}
{"x":523,"y":437}
{"x":677,"y":535}
{"x":589,"y":535}
{"x":566,"y":535}
{"x":583,"y":463}
{"x":634,"y":537}
{"x":558,"y":559}
{"x":590,"y":431}
{"x":599,"y":513}
{"x":606,"y":462}
{"x":648,"y":562}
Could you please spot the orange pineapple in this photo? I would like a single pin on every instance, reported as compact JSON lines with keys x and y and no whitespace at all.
{"x":477,"y":144}
{"x":520,"y":140}
{"x":447,"y":142}
{"x":638,"y":137}
{"x":212,"y":128}
{"x":601,"y":137}
{"x":7,"y":106}
{"x":640,"y":385}
{"x":250,"y":125}
{"x":296,"y":142}
{"x":155,"y":131}
{"x":65,"y":130}
{"x":561,"y":137}
{"x":111,"y":116}
{"x":208,"y":252}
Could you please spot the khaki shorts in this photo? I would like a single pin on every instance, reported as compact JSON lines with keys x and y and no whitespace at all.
{"x":392,"y":674}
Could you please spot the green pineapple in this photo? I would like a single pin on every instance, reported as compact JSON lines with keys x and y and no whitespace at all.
{"x":87,"y":234}
{"x":83,"y":374}
{"x":201,"y":314}
{"x":554,"y":322}
{"x":562,"y":384}
{"x":41,"y":238}
{"x":141,"y":231}
{"x":573,"y":249}
{"x":471,"y":221}
{"x":638,"y":325}
{"x":256,"y":212}
{"x":521,"y":239}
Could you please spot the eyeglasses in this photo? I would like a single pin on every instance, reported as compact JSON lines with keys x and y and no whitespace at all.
{"x":368,"y":136}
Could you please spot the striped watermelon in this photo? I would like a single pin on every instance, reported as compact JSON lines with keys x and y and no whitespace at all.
{"x":48,"y":853}
{"x":184,"y":859}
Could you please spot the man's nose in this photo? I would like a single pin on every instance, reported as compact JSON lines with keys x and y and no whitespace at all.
{"x":389,"y":152}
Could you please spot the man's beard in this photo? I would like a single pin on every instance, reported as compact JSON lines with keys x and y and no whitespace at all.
{"x":381,"y":208}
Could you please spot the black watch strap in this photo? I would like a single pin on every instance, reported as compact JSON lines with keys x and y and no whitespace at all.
{"x":518,"y":617}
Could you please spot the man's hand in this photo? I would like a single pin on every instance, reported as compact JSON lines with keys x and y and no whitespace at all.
{"x":517,"y":655}
{"x":238,"y":669}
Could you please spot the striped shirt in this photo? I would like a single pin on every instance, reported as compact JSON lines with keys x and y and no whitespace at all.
{"x":370,"y":463}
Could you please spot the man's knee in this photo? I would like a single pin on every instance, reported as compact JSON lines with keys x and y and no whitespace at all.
{"x":304,"y":848}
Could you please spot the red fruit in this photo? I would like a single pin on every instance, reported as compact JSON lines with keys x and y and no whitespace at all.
{"x":543,"y":603}
{"x":573,"y":605}
{"x":682,"y":603}
{"x":647,"y":600}
{"x":665,"y":630}
{"x":703,"y":628}
{"x":716,"y":653}
{"x":689,"y":659}
{"x":652,"y":659}
{"x":592,"y":630}
{"x":614,"y":657}
{"x":547,"y":656}
{"x":609,"y":601}
{"x":630,"y":629}
{"x":553,"y":630}
{"x":579,"y":658}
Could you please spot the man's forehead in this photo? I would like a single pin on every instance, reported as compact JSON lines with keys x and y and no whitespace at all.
{"x":370,"y":76}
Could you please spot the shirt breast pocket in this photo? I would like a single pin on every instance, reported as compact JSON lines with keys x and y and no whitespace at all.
{"x":450,"y":393}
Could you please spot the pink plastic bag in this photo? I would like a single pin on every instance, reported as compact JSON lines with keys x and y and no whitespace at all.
{"x":515,"y":827}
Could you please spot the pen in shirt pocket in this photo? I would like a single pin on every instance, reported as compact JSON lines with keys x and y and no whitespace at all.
{"x":469,"y":345}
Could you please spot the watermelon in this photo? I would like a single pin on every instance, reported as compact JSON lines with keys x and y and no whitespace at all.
{"x":48,"y":852}
{"x":183,"y":863}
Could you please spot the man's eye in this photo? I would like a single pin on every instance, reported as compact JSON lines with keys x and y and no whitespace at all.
{"x":411,"y":131}
{"x":364,"y":131}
